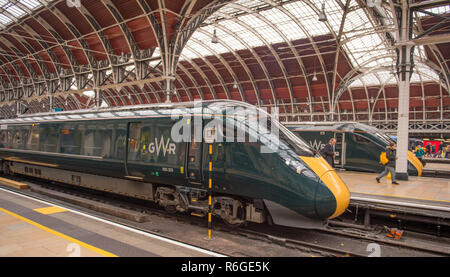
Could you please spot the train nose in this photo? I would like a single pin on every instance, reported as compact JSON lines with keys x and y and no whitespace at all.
{"x":415,"y":162}
{"x":336,"y":191}
{"x":332,"y":195}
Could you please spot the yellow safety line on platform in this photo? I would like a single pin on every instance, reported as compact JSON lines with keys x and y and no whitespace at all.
{"x":403,"y":197}
{"x":88,"y":246}
{"x":50,"y":210}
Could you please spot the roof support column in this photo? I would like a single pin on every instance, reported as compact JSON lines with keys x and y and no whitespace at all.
{"x":51,"y":103}
{"x":168,"y":86}
{"x":405,"y":65}
{"x":98,"y":97}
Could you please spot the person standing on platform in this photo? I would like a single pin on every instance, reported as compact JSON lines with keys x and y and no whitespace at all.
{"x":419,"y":153}
{"x":328,"y":152}
{"x":428,"y":152}
{"x":447,"y":154}
{"x":433,"y":151}
{"x":440,"y":149}
{"x":391,"y":154}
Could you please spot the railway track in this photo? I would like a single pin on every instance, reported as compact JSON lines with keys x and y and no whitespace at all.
{"x":330,"y":242}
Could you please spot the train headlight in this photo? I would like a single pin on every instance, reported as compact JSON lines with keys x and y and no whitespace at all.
{"x":301,"y":169}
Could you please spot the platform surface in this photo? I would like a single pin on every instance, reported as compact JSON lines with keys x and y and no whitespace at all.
{"x":435,"y":190}
{"x":31,"y":228}
{"x":437,"y":166}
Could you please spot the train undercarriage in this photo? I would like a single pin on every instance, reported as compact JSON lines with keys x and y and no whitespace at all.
{"x":234,"y":211}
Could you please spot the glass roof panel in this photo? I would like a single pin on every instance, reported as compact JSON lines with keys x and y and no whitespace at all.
{"x":199,"y":49}
{"x":246,"y":24}
{"x":437,"y":10}
{"x":356,"y":83}
{"x":4,"y":20}
{"x":13,"y":10}
{"x":422,"y":73}
{"x":267,"y":32}
{"x":244,"y":33}
{"x":31,"y":4}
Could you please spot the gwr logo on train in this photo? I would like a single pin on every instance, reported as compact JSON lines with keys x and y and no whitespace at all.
{"x":317,"y":145}
{"x":166,"y":146}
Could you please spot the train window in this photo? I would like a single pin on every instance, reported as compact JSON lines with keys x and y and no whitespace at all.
{"x":17,"y":140}
{"x":361,"y":139}
{"x":104,"y":140}
{"x":93,"y":144}
{"x":33,"y":139}
{"x":144,"y":150}
{"x":3,"y":139}
{"x":48,"y":135}
{"x":134,"y":141}
{"x":25,"y":134}
{"x":70,"y":139}
{"x":9,"y":142}
{"x":119,"y":137}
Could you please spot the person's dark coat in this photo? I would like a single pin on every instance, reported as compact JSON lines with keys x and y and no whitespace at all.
{"x":390,"y":155}
{"x":328,"y":154}
{"x":428,"y":147}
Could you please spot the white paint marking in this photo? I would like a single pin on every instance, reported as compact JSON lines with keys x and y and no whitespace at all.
{"x":201,"y":250}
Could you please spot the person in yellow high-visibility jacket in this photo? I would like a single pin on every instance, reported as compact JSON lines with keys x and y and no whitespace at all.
{"x":390,"y":166}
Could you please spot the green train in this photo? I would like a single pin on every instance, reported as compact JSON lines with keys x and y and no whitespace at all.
{"x":137,"y":152}
{"x":358,"y":145}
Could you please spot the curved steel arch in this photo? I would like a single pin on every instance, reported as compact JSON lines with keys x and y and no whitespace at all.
{"x":233,"y":74}
{"x":269,"y":46}
{"x":437,"y":54}
{"x":192,"y":79}
{"x":204,"y":77}
{"x":256,"y":56}
{"x":213,"y":69}
{"x":381,"y":89}
{"x":350,"y":77}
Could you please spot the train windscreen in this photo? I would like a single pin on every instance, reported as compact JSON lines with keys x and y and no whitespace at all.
{"x":286,"y":138}
{"x":374,"y":131}
{"x":264,"y":127}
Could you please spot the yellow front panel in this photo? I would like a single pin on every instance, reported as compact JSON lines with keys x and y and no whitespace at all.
{"x":339,"y":190}
{"x":415,"y":162}
{"x":334,"y":183}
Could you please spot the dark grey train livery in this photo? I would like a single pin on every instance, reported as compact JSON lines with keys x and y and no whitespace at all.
{"x":358,"y":145}
{"x":131,"y":151}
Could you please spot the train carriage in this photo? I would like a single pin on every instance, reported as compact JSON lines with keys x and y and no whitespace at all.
{"x":136,"y":152}
{"x":358,"y":145}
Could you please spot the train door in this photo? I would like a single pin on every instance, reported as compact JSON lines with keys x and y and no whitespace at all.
{"x":339,"y":159}
{"x":194,"y":163}
{"x":132,"y":154}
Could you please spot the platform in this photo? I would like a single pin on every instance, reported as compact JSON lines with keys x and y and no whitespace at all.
{"x":435,"y":169}
{"x":34,"y":228}
{"x":437,"y":166}
{"x":437,"y":160}
{"x":418,"y":191}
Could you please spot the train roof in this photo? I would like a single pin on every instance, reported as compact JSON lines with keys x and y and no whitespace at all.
{"x":149,"y":110}
{"x":349,"y":126}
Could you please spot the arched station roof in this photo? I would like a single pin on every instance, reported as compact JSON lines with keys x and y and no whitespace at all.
{"x":268,"y":52}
